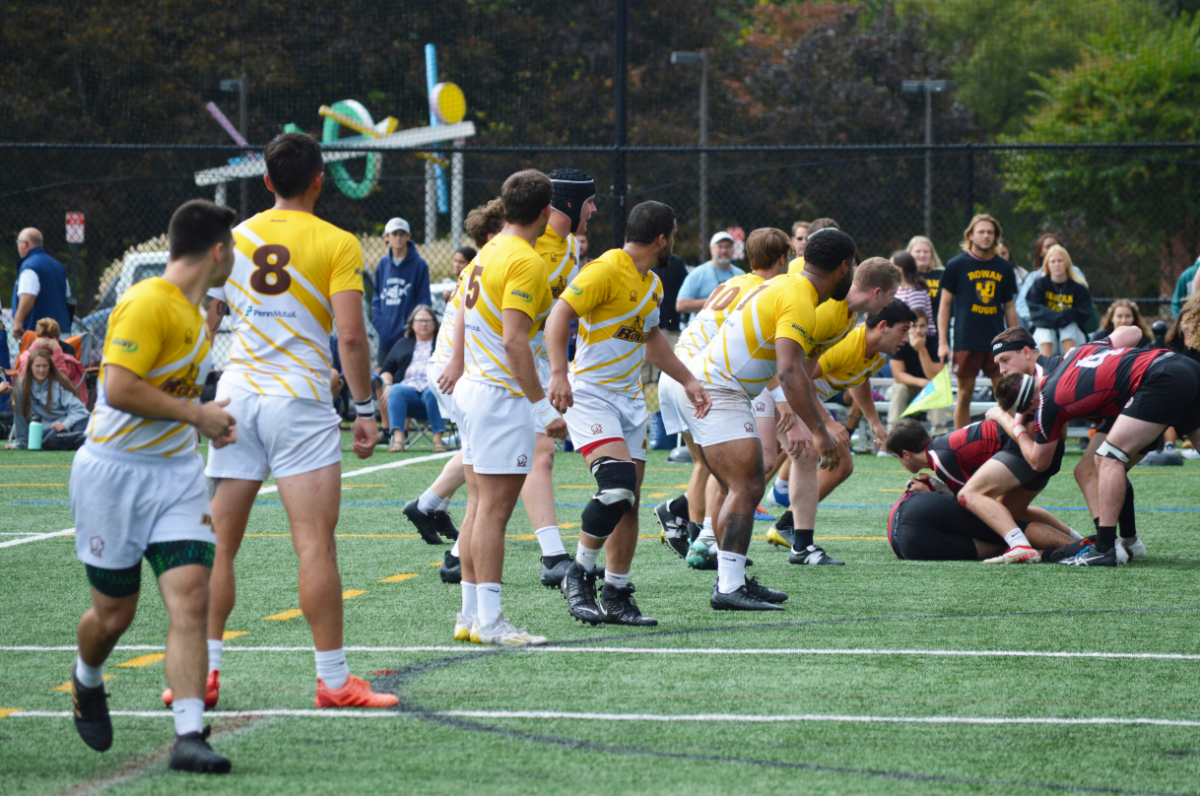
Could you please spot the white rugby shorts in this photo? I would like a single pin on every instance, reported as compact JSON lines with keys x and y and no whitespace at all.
{"x":433,"y":372}
{"x":730,"y":418}
{"x":763,"y":404}
{"x":124,"y":502}
{"x":276,"y":435}
{"x":497,"y":428}
{"x":600,"y":414}
{"x":674,"y":404}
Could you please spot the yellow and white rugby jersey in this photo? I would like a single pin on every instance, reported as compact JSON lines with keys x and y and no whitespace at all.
{"x":847,"y":365}
{"x":704,"y":326}
{"x":509,"y":275}
{"x":160,"y":336}
{"x":444,"y":345}
{"x":834,"y":322}
{"x":562,"y":262}
{"x":617,"y":308}
{"x":796,"y":266}
{"x":742,"y":355}
{"x":286,"y":266}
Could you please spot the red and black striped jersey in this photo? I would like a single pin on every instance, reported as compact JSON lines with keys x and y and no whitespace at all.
{"x":956,"y":456}
{"x":1095,"y":381}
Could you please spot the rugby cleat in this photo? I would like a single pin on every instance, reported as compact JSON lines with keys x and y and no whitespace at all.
{"x":501,"y":633}
{"x":451,"y":569}
{"x":90,"y":706}
{"x":780,"y":499}
{"x":1058,"y":554}
{"x":192,"y":753}
{"x":812,"y":556}
{"x":671,"y":525}
{"x":1021,"y":554}
{"x":579,"y":587}
{"x":212,"y":689}
{"x":701,"y":555}
{"x":761,"y":515}
{"x":763,"y":593}
{"x":1134,"y":547}
{"x":617,"y":607}
{"x":678,"y":544}
{"x":783,"y":537}
{"x":1091,"y":557}
{"x":445,"y":525}
{"x":693,"y":531}
{"x":423,"y":522}
{"x":462,"y":626}
{"x":554,"y":569}
{"x":740,"y":600}
{"x":356,"y":693}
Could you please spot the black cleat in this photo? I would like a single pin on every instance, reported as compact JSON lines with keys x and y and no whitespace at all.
{"x":192,"y":753}
{"x":617,"y":607}
{"x":693,"y":532}
{"x":763,"y":593}
{"x":445,"y":525}
{"x":451,"y":569}
{"x":812,"y":555}
{"x":424,"y":523}
{"x":554,"y":569}
{"x":1058,"y":554}
{"x":1091,"y":557}
{"x":740,"y":600}
{"x":678,"y":544}
{"x":92,"y":721}
{"x":579,"y":587}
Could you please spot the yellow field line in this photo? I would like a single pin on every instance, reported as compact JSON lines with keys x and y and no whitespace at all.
{"x":142,"y":660}
{"x":283,"y":616}
{"x":404,"y":575}
{"x":350,"y":594}
{"x":228,"y":634}
{"x":9,"y":711}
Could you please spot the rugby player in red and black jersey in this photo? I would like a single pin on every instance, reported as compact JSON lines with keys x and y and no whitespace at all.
{"x":1144,"y":390}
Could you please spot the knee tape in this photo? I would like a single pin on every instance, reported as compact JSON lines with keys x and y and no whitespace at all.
{"x":617,"y":479}
{"x":1110,"y":451}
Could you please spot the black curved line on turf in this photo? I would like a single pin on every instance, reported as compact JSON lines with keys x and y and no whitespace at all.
{"x":395,"y":682}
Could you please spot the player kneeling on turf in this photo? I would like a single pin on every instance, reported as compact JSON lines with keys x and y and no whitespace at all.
{"x":137,"y":485}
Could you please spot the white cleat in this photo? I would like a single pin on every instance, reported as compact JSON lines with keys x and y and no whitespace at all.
{"x":501,"y":633}
{"x":1017,"y":555}
{"x":462,"y":626}
{"x":1134,"y":548}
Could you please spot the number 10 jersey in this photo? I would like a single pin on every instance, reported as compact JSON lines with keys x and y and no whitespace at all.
{"x":286,"y":266}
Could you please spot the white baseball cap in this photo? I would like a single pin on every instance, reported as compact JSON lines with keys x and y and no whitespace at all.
{"x":396,"y":225}
{"x":720,"y":236}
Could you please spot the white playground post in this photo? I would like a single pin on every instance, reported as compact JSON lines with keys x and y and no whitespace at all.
{"x":456,"y":197}
{"x":430,"y":204}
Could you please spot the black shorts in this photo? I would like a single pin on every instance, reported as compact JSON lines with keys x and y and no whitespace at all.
{"x":1169,"y":395}
{"x":928,"y":526}
{"x":1030,"y":478}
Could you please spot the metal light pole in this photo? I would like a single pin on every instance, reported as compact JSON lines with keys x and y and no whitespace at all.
{"x":700,"y":58}
{"x":620,"y":79}
{"x":928,"y":88}
{"x":239,"y":85}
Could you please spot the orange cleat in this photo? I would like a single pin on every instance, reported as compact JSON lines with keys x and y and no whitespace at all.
{"x":356,"y":693}
{"x":212,"y":688}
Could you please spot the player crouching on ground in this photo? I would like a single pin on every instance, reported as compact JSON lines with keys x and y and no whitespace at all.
{"x":616,"y":300}
{"x":137,"y":485}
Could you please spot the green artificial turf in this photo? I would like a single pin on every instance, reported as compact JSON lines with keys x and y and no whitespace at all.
{"x":872,"y":605}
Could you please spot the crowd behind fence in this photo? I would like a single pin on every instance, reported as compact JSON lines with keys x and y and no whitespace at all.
{"x":1131,"y":241}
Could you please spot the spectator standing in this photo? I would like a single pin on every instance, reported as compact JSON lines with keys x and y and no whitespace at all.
{"x":1185,"y":287}
{"x":48,"y":338}
{"x":41,"y":290}
{"x":800,"y":237}
{"x":930,"y":266}
{"x":45,"y":395}
{"x":407,"y":392}
{"x":401,"y":283}
{"x":1059,"y":304}
{"x":913,"y":290}
{"x":978,"y":288}
{"x":1122,"y":312}
{"x":912,"y":368}
{"x":701,"y":282}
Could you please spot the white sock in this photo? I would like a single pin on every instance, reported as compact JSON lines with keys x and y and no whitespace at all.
{"x":428,"y":502}
{"x":454,"y":550}
{"x":332,"y":668}
{"x":1016,"y":538}
{"x":619,"y":581}
{"x":445,"y":504}
{"x":470,"y":601}
{"x":731,"y":572}
{"x":586,"y":556}
{"x":488,"y":595}
{"x":215,"y":645}
{"x":1074,"y":534}
{"x":88,"y":675}
{"x":550,"y":541}
{"x":781,"y":486}
{"x":189,"y":715}
{"x":706,"y":531}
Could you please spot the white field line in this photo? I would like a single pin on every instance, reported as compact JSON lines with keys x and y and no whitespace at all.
{"x":729,"y":718}
{"x":1164,"y":656}
{"x":264,"y":491}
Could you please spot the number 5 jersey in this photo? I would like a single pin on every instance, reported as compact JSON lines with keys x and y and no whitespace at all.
{"x":287,"y":264}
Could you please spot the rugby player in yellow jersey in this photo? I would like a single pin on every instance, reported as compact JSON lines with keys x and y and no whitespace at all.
{"x":294,"y":277}
{"x":616,"y":300}
{"x":874,"y":286}
{"x":768,"y":254}
{"x":137,"y":484}
{"x":501,"y":403}
{"x":573,"y":203}
{"x":769,"y":334}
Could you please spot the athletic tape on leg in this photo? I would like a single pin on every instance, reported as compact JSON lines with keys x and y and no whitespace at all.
{"x":1110,"y":451}
{"x":617,"y":479}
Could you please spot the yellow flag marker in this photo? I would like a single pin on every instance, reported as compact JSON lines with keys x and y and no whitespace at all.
{"x":937,"y":394}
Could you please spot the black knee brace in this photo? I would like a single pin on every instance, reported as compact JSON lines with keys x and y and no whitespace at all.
{"x":617,"y":480}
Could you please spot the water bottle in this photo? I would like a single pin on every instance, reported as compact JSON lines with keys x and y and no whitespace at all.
{"x":35,"y":435}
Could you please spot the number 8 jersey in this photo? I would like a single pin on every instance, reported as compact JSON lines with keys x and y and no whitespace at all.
{"x":286,"y":266}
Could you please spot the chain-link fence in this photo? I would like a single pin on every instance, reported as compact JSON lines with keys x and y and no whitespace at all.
{"x":1129,"y":215}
